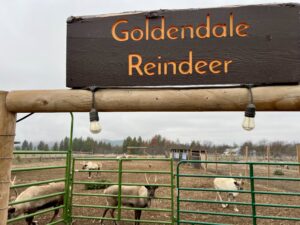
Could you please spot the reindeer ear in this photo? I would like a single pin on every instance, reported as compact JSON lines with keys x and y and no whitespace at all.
{"x":148,"y":187}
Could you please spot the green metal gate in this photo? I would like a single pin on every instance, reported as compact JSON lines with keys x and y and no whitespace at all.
{"x":114,"y":166}
{"x":67,"y":155}
{"x":254,"y":216}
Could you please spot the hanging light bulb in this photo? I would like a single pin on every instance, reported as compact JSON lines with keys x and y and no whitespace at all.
{"x":95,"y":126}
{"x":248,"y":123}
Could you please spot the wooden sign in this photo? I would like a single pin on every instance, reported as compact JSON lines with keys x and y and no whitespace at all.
{"x":239,"y":45}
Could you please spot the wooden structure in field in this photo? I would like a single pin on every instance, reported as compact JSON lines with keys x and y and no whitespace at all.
{"x":180,"y":154}
{"x":189,"y":154}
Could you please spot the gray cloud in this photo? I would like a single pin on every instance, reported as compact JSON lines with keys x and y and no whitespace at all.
{"x":33,"y":52}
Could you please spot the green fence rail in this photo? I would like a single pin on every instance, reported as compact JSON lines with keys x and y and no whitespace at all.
{"x":67,"y":179}
{"x":119,"y":171}
{"x":253,"y":193}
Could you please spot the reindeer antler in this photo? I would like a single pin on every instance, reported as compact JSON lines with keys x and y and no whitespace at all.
{"x":12,"y":183}
{"x":146,"y":179}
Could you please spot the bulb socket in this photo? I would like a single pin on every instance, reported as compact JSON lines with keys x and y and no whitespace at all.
{"x":94,"y":115}
{"x":250,"y":111}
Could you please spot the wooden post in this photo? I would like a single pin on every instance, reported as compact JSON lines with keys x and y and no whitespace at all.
{"x":246,"y":160}
{"x":216,"y":159}
{"x":230,"y":165}
{"x":206,"y":159}
{"x":268,"y":159}
{"x":7,"y":136}
{"x":298,"y":156}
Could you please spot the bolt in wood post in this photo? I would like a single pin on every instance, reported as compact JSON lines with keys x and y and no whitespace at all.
{"x":7,"y":136}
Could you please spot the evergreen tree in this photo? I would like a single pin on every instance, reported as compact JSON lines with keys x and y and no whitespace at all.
{"x":55,"y":147}
{"x":41,"y":146}
{"x":61,"y":146}
{"x":25,"y":145}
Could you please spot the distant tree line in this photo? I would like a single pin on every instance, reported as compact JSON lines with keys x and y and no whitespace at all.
{"x":158,"y":145}
{"x":87,"y":145}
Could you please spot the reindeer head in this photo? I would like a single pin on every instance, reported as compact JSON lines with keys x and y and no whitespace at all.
{"x":84,"y":165}
{"x":11,"y":212}
{"x":239,"y":183}
{"x":151,"y":188}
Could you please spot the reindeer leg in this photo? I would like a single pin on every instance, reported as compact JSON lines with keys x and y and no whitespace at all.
{"x":235,"y":206}
{"x":223,"y":205}
{"x":138,"y":216}
{"x":29,"y":220}
{"x":112,"y":213}
{"x":90,"y":175}
{"x":54,"y":215}
{"x":104,"y":213}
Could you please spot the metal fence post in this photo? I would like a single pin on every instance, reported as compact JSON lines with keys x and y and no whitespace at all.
{"x":67,"y":198}
{"x":71,"y":190}
{"x":177,"y":190}
{"x":253,"y":203}
{"x":172,"y":190}
{"x":120,"y":190}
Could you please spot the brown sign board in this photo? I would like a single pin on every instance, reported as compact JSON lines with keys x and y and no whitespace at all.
{"x":257,"y":44}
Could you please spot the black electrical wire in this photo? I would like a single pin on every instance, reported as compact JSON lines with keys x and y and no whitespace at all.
{"x":23,"y":118}
{"x":93,"y":89}
{"x":249,"y":87}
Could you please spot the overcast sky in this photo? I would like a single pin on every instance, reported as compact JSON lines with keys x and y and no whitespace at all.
{"x":33,"y":56}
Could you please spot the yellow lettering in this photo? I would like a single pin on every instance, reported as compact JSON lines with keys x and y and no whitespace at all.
{"x":139,"y":33}
{"x":188,"y":63}
{"x":149,"y":66}
{"x":213,"y":65}
{"x":222,"y":27}
{"x":226,"y":63}
{"x":161,"y":30}
{"x":136,"y":66}
{"x":191,"y":31}
{"x":199,"y":65}
{"x":241,"y":28}
{"x":206,"y":27}
{"x":172,"y":31}
{"x":114,"y":34}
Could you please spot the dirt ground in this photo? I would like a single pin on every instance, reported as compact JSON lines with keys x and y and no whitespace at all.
{"x":278,"y":186}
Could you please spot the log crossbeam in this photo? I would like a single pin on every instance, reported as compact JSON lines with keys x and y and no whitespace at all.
{"x":270,"y":98}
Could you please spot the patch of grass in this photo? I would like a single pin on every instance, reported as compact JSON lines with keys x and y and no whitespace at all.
{"x":278,"y":172}
{"x":104,"y":184}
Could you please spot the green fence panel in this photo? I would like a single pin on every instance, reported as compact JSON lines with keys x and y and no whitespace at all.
{"x":253,"y":193}
{"x":67,"y":155}
{"x":120,"y":171}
